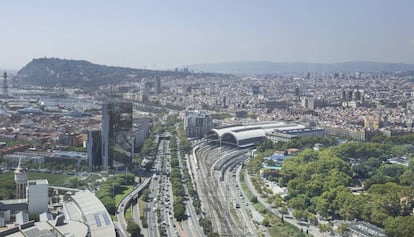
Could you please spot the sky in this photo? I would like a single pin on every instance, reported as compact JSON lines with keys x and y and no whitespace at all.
{"x":164,"y":34}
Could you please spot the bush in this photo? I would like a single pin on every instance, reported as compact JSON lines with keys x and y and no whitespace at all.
{"x":266,"y":222}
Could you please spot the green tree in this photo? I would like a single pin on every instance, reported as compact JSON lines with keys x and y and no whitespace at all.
{"x":298,"y":202}
{"x":179,"y":211}
{"x":324,"y":228}
{"x":109,"y":204}
{"x":133,"y":228}
{"x":407,"y":178}
{"x":145,"y":195}
{"x":342,"y":229}
{"x":401,"y":226}
{"x":266,"y":222}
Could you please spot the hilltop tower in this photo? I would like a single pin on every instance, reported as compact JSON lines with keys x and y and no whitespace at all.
{"x":20,"y":177}
{"x":5,"y":86}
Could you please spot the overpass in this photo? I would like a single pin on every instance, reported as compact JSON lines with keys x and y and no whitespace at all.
{"x":125,"y":202}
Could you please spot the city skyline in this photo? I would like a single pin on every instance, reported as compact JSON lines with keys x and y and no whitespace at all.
{"x":174,"y":34}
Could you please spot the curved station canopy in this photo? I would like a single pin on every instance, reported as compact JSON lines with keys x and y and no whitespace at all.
{"x":247,"y":135}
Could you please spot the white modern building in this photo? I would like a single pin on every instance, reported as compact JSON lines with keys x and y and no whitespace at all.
{"x":37,"y":196}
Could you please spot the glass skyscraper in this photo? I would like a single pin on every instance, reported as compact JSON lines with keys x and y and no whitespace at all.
{"x":117,"y":136}
{"x":95,"y":149}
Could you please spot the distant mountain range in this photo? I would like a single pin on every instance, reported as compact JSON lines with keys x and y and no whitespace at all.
{"x":264,"y":67}
{"x":55,"y":72}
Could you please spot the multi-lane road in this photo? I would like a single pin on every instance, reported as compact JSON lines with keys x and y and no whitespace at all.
{"x":218,"y":189}
{"x":162,"y":197}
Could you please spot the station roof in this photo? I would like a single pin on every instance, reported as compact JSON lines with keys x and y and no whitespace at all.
{"x":252,"y":131}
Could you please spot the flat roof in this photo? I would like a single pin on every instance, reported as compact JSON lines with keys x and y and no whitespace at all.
{"x":46,"y":228}
{"x":37,"y":181}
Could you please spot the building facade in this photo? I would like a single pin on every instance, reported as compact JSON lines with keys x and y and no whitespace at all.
{"x":157,"y":86}
{"x":94,"y":148}
{"x":117,"y":137}
{"x":37,"y":196}
{"x":286,"y":135}
{"x":197,"y":123}
{"x":141,"y":131}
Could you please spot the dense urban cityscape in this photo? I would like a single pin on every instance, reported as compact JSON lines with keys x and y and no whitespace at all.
{"x":203,"y":154}
{"x":213,"y":118}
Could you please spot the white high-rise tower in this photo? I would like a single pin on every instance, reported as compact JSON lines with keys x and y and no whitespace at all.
{"x":20,"y":177}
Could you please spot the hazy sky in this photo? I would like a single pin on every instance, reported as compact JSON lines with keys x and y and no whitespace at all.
{"x":163,"y":34}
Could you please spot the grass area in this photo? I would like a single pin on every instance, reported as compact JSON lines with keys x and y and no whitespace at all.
{"x":246,"y":190}
{"x":119,"y":196}
{"x":259,"y":207}
{"x":278,"y":228}
{"x":92,"y":178}
{"x":7,"y":187}
{"x":128,"y":212}
{"x":53,"y":179}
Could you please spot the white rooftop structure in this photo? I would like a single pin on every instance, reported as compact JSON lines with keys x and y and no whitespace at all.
{"x":248,"y":135}
{"x":89,"y":209}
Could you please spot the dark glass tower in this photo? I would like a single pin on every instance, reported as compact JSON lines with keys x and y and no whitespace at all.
{"x":95,"y":149}
{"x":117,"y":139}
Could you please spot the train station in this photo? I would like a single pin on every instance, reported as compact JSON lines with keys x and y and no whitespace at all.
{"x":244,"y":136}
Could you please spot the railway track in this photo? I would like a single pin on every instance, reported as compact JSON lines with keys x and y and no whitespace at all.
{"x":215,"y":195}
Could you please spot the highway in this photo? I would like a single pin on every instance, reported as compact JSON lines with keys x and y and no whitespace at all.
{"x":162,"y":197}
{"x":153,"y":205}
